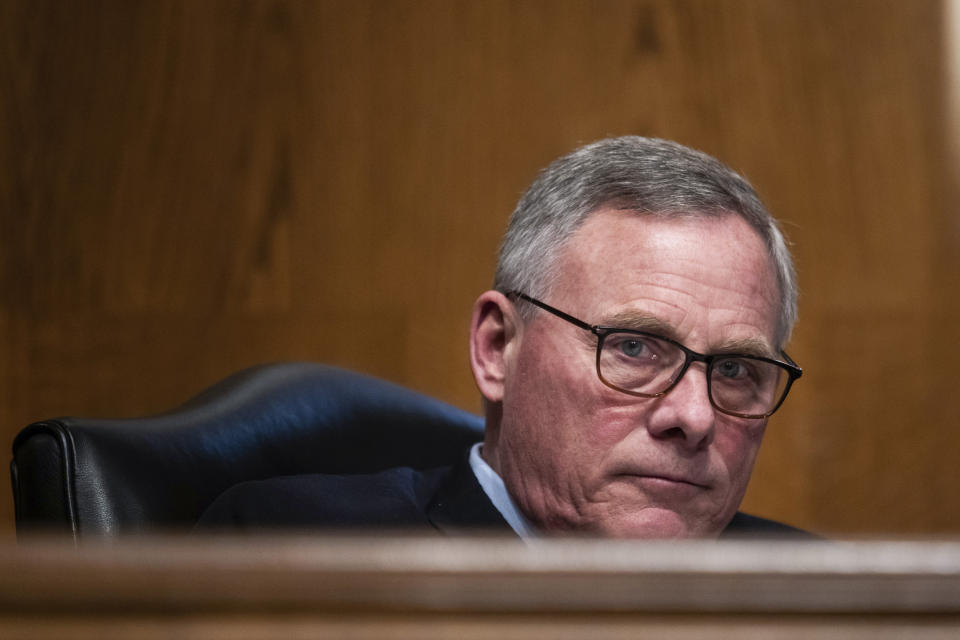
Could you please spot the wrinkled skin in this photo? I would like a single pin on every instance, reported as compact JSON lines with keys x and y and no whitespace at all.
{"x":578,"y":456}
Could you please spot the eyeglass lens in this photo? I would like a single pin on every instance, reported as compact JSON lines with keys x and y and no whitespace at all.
{"x":648,"y":366}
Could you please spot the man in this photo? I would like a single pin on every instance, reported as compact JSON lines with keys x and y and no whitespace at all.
{"x":629,"y":357}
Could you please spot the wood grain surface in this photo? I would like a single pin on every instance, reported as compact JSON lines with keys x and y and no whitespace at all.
{"x":188,"y":188}
{"x":368,"y":587}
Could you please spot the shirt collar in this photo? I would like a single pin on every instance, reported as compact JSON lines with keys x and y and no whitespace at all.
{"x":492,"y":485}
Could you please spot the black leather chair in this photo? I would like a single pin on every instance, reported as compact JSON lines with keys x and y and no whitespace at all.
{"x":102,"y":478}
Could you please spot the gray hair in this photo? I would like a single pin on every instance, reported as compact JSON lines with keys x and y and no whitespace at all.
{"x":647,"y":175}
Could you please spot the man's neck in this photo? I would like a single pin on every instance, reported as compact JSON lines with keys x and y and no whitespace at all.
{"x":492,"y":484}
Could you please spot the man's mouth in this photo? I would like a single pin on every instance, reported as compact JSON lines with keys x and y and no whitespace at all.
{"x":666,"y":480}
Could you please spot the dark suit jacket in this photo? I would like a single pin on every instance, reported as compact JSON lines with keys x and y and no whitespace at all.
{"x":448,"y":499}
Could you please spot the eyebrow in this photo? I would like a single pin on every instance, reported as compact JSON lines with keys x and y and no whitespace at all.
{"x":639,"y":321}
{"x":748,"y":347}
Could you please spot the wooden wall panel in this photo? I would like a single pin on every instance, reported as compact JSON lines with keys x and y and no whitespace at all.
{"x":187,"y":188}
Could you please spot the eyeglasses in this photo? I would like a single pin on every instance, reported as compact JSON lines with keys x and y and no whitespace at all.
{"x":647,"y":365}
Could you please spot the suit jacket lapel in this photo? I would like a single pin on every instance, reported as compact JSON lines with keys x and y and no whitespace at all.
{"x":460,"y":505}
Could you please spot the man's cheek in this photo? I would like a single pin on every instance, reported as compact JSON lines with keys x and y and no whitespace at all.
{"x":738,"y":449}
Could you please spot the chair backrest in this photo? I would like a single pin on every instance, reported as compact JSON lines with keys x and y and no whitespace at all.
{"x":91,"y":478}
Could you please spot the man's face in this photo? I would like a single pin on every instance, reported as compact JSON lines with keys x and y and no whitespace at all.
{"x":579,"y":456}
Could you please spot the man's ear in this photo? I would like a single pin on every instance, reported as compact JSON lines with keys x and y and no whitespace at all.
{"x":494,"y":330}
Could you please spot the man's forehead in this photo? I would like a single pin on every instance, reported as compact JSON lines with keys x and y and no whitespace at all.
{"x":649,"y":273}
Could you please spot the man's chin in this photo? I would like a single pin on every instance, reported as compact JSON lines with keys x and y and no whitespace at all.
{"x":652,"y":523}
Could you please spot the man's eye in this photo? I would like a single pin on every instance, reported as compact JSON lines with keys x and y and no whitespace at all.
{"x":636,"y":349}
{"x":732,"y":369}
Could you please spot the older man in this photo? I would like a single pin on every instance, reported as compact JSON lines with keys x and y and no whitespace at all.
{"x":631,"y":351}
{"x":629,"y":357}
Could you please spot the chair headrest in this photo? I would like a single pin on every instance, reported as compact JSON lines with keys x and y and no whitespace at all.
{"x":118,"y":476}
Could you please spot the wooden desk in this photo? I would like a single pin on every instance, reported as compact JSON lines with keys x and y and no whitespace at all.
{"x":366,"y":587}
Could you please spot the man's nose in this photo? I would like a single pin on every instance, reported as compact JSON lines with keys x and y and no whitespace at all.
{"x":685,"y":412}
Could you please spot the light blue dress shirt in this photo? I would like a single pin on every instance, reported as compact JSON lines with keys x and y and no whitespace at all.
{"x":493,"y":486}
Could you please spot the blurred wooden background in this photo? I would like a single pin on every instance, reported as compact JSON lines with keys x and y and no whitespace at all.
{"x":188,"y":188}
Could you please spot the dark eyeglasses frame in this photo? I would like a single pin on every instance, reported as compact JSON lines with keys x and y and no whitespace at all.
{"x":792,"y":368}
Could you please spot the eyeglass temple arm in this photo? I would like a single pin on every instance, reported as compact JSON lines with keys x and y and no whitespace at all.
{"x":797,"y":370}
{"x":560,"y":314}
